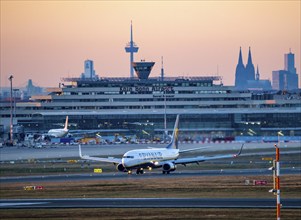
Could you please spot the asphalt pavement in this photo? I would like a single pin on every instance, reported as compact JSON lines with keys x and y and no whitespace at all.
{"x":147,"y":203}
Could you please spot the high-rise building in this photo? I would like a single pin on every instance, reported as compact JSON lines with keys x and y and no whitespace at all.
{"x":89,"y":70}
{"x":279,"y":78}
{"x":289,"y":62}
{"x":32,"y":90}
{"x":286,"y":79}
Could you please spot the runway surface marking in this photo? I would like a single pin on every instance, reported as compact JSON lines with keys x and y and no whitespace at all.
{"x":147,"y":203}
{"x":2,"y":205}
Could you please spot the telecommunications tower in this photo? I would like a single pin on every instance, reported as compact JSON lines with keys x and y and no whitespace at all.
{"x":131,"y":48}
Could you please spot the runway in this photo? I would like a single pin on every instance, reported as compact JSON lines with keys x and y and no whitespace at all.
{"x":118,"y":175}
{"x":147,"y":203}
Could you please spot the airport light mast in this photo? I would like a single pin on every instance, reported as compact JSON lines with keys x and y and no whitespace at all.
{"x":131,"y":48}
{"x":11,"y":109}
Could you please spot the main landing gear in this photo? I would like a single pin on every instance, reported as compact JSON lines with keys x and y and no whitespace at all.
{"x":140,"y":171}
{"x":165,"y":172}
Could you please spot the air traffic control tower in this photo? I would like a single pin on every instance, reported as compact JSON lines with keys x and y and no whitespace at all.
{"x":143,"y":69}
{"x":131,"y":48}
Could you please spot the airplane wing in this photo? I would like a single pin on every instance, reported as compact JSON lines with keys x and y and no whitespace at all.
{"x":205,"y":158}
{"x":193,"y":149}
{"x":100,"y":159}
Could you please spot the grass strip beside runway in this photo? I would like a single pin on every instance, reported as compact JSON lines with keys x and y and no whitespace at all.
{"x":147,"y":213}
{"x":186,"y":187}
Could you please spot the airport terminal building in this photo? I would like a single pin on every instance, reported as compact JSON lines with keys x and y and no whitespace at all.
{"x":145,"y":106}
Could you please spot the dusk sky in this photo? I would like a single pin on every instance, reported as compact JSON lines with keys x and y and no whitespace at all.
{"x":47,"y":40}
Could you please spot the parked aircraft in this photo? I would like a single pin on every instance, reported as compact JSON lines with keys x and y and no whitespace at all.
{"x":150,"y":158}
{"x":59,"y":132}
{"x":62,"y":132}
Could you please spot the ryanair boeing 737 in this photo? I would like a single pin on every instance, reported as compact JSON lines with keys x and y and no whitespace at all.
{"x":151,"y":158}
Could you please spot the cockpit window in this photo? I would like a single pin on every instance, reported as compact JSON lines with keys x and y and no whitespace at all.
{"x":128,"y":157}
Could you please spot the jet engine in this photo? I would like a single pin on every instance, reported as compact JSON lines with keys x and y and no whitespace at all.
{"x":167,"y":167}
{"x":121,"y":168}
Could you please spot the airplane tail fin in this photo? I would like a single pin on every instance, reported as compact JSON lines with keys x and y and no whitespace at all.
{"x":66,"y":123}
{"x":174,"y":139}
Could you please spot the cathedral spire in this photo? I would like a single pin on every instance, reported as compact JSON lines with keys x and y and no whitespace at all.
{"x":240,"y":62}
{"x":250,"y":57}
{"x":250,"y":70}
{"x":240,"y":73}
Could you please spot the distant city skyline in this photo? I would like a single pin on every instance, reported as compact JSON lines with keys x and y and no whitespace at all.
{"x":48,"y":40}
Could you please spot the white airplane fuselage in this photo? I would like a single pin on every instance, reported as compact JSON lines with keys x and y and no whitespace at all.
{"x":148,"y":157}
{"x":57,"y":132}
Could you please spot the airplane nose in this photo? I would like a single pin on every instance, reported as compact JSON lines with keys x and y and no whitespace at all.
{"x":124,"y":162}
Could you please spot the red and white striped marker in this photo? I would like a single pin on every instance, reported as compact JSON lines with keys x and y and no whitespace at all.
{"x":277,"y":181}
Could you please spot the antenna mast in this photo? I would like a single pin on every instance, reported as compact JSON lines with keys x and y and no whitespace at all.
{"x":162,"y":69}
{"x":131,"y":48}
